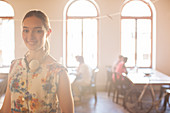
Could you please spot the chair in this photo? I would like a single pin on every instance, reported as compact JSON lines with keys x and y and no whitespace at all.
{"x":92,"y":87}
{"x":93,"y":82}
{"x":3,"y":85}
{"x":166,"y":99}
{"x":122,"y":85}
{"x":162,"y":89}
{"x":109,"y":82}
{"x":109,"y":75}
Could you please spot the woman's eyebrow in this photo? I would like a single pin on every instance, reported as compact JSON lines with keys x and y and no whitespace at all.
{"x":39,"y":27}
{"x":25,"y":27}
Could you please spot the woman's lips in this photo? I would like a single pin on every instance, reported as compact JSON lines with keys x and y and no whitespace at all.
{"x":31,"y":42}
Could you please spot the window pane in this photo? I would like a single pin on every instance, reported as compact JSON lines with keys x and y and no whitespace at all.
{"x":144,"y":43}
{"x":6,"y":41}
{"x":128,"y":40}
{"x":6,"y":10}
{"x":136,"y":9}
{"x":74,"y":40}
{"x":82,"y":32}
{"x":82,"y":8}
{"x":90,"y":41}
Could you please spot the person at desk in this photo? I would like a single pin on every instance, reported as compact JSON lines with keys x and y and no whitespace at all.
{"x":36,"y":82}
{"x":120,"y":58}
{"x":83,"y":77}
{"x":120,"y":68}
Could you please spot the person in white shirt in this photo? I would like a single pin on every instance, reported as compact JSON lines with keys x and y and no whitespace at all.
{"x":83,"y":77}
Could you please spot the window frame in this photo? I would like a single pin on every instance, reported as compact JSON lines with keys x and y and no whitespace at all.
{"x":137,"y":18}
{"x":9,"y":17}
{"x":81,"y":18}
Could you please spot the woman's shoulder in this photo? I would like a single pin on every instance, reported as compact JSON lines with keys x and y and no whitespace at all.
{"x":54,"y":65}
{"x":16,"y":61}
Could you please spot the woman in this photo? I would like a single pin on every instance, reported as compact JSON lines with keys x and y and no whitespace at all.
{"x":121,"y":68}
{"x":114,"y":66}
{"x":37,"y":83}
{"x":84,"y":73}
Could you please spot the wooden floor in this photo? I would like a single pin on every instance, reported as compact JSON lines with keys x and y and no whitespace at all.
{"x":104,"y":105}
{"x":87,"y":104}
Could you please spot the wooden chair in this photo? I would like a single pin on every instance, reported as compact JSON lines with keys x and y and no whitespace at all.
{"x":163,"y":89}
{"x":93,"y":82}
{"x":109,"y":82}
{"x":3,"y":85}
{"x":109,"y":76}
{"x":166,"y":99}
{"x":122,"y":85}
{"x":92,"y":87}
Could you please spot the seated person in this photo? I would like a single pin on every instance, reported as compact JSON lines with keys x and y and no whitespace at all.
{"x":121,"y":68}
{"x":115,"y":64}
{"x":83,"y":77}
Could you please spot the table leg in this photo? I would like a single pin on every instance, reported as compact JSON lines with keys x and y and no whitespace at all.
{"x":153,"y":93}
{"x":142,"y":93}
{"x":137,"y":101}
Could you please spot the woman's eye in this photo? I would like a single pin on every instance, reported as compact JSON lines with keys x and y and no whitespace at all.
{"x":39,"y":31}
{"x":25,"y":31}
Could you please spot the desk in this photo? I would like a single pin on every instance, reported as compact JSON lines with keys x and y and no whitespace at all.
{"x":154,"y":77}
{"x":4,"y":70}
{"x":145,"y":79}
{"x":71,"y":78}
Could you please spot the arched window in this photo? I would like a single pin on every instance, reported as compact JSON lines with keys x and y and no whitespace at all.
{"x":81,"y":32}
{"x":137,"y":33}
{"x":6,"y":34}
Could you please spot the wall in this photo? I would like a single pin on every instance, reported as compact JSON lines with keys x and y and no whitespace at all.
{"x":163,"y":36}
{"x":109,"y":30}
{"x":53,"y":9}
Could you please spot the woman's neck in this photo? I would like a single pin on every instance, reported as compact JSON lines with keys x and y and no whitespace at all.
{"x":36,"y":55}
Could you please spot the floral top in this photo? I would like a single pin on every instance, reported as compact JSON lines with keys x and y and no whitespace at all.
{"x":34,"y":92}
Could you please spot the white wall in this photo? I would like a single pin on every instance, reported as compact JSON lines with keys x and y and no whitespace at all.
{"x":109,"y":30}
{"x":163,"y":36}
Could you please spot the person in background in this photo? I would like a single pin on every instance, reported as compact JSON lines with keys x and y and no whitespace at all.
{"x":83,"y":77}
{"x":36,"y":82}
{"x":115,"y":64}
{"x":120,"y":68}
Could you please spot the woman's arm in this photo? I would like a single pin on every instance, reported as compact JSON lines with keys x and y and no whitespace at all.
{"x":65,"y":94}
{"x":6,"y":107}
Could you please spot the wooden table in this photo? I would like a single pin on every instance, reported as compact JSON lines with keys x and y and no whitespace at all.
{"x":71,"y":74}
{"x":148,"y":76}
{"x":145,"y":78}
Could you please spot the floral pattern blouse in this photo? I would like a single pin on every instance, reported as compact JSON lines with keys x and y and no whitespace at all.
{"x":34,"y":92}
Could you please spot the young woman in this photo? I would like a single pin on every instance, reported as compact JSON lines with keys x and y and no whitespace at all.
{"x":84,"y":73}
{"x":37,"y":83}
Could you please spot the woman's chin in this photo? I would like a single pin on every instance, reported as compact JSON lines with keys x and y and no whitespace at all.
{"x":32,"y":48}
{"x":35,"y":49}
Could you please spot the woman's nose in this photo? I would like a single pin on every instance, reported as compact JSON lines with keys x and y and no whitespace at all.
{"x":31,"y":35}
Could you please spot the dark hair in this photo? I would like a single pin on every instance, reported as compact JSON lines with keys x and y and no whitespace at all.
{"x":39,"y":14}
{"x":125,"y":59}
{"x":120,"y":56}
{"x":80,"y":59}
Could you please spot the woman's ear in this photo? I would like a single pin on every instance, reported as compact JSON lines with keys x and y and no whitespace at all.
{"x":48,"y":33}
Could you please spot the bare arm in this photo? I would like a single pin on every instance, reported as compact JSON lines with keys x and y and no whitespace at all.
{"x":6,"y":108}
{"x":65,"y":94}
